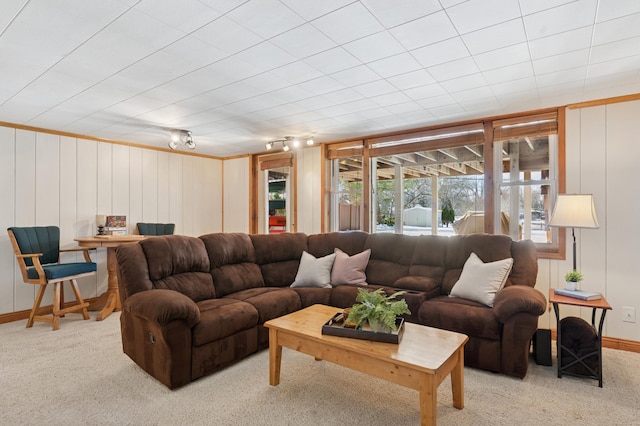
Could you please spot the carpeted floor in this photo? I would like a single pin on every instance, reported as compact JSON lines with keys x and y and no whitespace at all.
{"x":79,"y":375}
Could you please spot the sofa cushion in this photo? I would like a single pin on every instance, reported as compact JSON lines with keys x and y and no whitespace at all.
{"x":220,"y":318}
{"x":314,"y":272}
{"x":269,"y":301}
{"x":278,"y":256}
{"x":429,"y":257}
{"x":481,"y":281}
{"x":391,"y":256}
{"x":460,"y":315}
{"x":180,"y":263}
{"x":350,"y":242}
{"x":350,"y":269}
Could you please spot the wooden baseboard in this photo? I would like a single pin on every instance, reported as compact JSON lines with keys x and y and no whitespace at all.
{"x":612,"y":343}
{"x":23,"y":315}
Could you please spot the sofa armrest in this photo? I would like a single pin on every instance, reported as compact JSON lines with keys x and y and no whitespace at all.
{"x":517,"y":299}
{"x":163,"y":306}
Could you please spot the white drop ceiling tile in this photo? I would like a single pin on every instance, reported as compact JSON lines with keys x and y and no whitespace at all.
{"x":355,"y":76}
{"x":561,"y":43}
{"x":186,"y":16}
{"x":615,"y":66}
{"x":617,"y":29}
{"x":374,"y":47}
{"x":266,"y":18}
{"x":508,"y":73}
{"x":466,"y":96}
{"x":22,"y":111}
{"x":495,"y":37}
{"x":303,"y":41}
{"x":262,"y":83}
{"x":296,"y":72}
{"x":375,"y":88}
{"x":392,"y":13}
{"x":343,"y":96}
{"x":436,"y":101}
{"x":561,"y":62}
{"x":465,"y":83}
{"x":476,"y":14}
{"x":422,"y":92}
{"x":423,"y":31}
{"x":615,"y":9}
{"x":265,"y":56}
{"x":348,"y":23}
{"x":194,"y":52}
{"x":562,"y":77}
{"x":560,"y":19}
{"x":405,"y":108}
{"x":292,"y":94}
{"x":412,"y":79}
{"x":332,"y":60}
{"x":441,"y":52}
{"x":322,"y":85}
{"x":312,"y":9}
{"x":503,"y":57}
{"x":314,"y":103}
{"x":333,"y":111}
{"x":394,"y":65}
{"x":615,"y":50}
{"x":227,"y":35}
{"x":447,"y":111}
{"x":533,"y":6}
{"x":453,"y":69}
{"x":449,"y":3}
{"x":390,"y":99}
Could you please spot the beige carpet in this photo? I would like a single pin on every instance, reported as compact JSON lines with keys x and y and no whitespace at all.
{"x":79,"y":375}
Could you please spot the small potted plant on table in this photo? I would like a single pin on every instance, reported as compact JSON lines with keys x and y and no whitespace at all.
{"x":378,"y":310}
{"x":572,"y":278}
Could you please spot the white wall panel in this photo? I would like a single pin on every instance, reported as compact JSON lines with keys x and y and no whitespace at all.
{"x":187,"y":195}
{"x":135,"y":188}
{"x":149,"y":186}
{"x":175,"y":192}
{"x":105,"y":178}
{"x":308,"y":197}
{"x":47,"y":180}
{"x":120,"y":180}
{"x":236,"y":195}
{"x":163,"y":187}
{"x":8,"y":266}
{"x":25,"y":204}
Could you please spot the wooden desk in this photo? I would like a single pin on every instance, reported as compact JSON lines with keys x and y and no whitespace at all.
{"x":108,"y":301}
{"x":602,"y":303}
{"x":421,"y":361}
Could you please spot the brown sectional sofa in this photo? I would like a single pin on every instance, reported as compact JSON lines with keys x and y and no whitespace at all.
{"x":191,"y":306}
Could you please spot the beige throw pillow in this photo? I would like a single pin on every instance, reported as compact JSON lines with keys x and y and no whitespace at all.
{"x":314,"y":272}
{"x":350,"y":269}
{"x":481,"y":281}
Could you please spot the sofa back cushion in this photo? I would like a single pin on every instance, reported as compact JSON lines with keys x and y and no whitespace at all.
{"x":233,"y":262}
{"x":429,"y":257}
{"x":350,"y":242}
{"x":278,"y":256}
{"x":488,"y":248}
{"x":180,"y":263}
{"x":390,"y":259}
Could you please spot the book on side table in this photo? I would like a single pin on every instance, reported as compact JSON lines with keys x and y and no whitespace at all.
{"x":578,"y":294}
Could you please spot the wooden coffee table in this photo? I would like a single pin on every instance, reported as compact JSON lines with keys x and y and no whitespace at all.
{"x":422,"y":360}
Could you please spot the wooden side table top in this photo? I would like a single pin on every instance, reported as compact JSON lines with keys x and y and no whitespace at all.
{"x":566,"y":300}
{"x":108,"y":240}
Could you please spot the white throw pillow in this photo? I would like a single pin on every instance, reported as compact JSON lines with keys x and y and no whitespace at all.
{"x":481,"y":281}
{"x":314,"y":272}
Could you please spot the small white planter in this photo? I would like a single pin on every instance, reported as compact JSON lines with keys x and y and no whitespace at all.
{"x":571,"y":285}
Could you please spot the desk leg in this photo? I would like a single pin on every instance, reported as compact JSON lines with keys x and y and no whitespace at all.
{"x":428,"y":400}
{"x":109,"y":301}
{"x":457,"y":380}
{"x":275,"y":358}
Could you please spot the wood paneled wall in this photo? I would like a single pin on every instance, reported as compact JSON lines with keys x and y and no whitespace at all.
{"x":49,"y":179}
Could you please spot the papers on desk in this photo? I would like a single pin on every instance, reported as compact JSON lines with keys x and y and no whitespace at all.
{"x":578,"y":294}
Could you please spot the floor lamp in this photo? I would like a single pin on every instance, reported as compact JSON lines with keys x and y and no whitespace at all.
{"x":574,"y":211}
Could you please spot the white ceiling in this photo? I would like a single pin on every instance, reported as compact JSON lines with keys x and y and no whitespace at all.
{"x":239,"y":73}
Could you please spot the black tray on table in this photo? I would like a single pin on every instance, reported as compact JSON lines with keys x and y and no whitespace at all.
{"x":335,"y":327}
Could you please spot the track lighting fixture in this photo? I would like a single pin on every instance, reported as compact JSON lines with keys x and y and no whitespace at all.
{"x":181,"y":137}
{"x":288,"y":142}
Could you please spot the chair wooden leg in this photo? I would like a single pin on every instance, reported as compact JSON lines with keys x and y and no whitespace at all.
{"x":79,"y":299}
{"x":56,"y":305}
{"x":36,"y":305}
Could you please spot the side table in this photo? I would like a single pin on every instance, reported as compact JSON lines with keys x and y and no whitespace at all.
{"x":602,"y":304}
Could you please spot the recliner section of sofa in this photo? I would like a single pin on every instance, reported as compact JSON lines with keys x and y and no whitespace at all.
{"x":192,"y":306}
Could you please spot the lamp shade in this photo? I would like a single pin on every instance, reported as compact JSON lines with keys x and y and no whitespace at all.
{"x":574,"y":211}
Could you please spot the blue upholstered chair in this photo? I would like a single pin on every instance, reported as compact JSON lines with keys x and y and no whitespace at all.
{"x":37,"y":250}
{"x":155,"y":228}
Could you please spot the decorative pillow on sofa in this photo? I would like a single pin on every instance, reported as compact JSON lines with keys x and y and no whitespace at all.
{"x":350,"y":269}
{"x":314,"y":272}
{"x":481,"y":281}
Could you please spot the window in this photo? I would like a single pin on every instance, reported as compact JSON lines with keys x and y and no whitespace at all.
{"x":499,"y":176}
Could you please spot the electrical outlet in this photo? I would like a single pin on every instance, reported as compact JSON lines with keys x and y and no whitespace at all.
{"x":628,"y":314}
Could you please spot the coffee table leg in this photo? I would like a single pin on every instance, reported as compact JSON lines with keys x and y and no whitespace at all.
{"x":275,"y":358}
{"x":428,"y":400}
{"x":457,"y":380}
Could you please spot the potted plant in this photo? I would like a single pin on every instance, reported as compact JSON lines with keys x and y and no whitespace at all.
{"x":572,"y":278}
{"x":377,"y":309}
